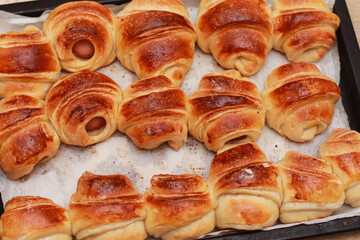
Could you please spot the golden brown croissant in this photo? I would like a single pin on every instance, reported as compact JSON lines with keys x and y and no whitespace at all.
{"x":342,"y":150}
{"x":82,"y":34}
{"x":83,"y":107}
{"x":179,"y":207}
{"x":311,"y":190}
{"x":28,"y":63}
{"x":153,"y":112}
{"x":26,"y":135}
{"x":155,"y":38}
{"x":238,"y":33}
{"x":247,"y":187}
{"x":303,"y":30}
{"x":107,"y":207}
{"x":299,"y":101}
{"x":32,"y":218}
{"x":226,"y":108}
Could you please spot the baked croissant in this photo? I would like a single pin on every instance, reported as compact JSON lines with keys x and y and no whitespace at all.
{"x":107,"y":207}
{"x":83,"y":107}
{"x":299,"y":101}
{"x":26,"y":135}
{"x":303,"y":30}
{"x":179,"y":207}
{"x":238,"y":33}
{"x":28,"y":63}
{"x":155,"y":38}
{"x":83,"y":35}
{"x":311,"y":190}
{"x":342,"y":150}
{"x":226,"y":108}
{"x":153,"y":112}
{"x":29,"y":217}
{"x":247,"y":187}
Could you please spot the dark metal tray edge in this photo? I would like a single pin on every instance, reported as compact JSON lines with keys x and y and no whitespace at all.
{"x":350,"y":86}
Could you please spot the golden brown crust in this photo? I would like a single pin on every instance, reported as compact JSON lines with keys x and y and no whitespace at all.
{"x":156,"y":38}
{"x":82,"y":20}
{"x":309,"y":187}
{"x":26,"y":135}
{"x":78,"y":98}
{"x":299,"y":101}
{"x":106,"y":200}
{"x":237,"y":33}
{"x":225,"y":107}
{"x":153,"y":112}
{"x":304,"y":30}
{"x":177,"y":201}
{"x":28,"y":63}
{"x":247,"y":186}
{"x":342,"y":150}
{"x":34,"y":218}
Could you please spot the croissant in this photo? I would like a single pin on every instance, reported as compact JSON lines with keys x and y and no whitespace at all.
{"x":299,"y":101}
{"x":153,"y":112}
{"x":107,"y":207}
{"x":247,"y":187}
{"x":83,"y":107}
{"x":303,"y":30}
{"x":342,"y":151}
{"x":83,"y":35}
{"x":155,"y":38}
{"x":179,"y":207}
{"x":238,"y":33}
{"x":29,"y":217}
{"x":311,"y":190}
{"x":26,"y":135}
{"x":227,"y":108}
{"x":28,"y":63}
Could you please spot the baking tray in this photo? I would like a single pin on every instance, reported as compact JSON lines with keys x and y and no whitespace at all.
{"x":350,"y":87}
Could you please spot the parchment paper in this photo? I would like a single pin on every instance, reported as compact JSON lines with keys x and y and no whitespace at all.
{"x":57,"y":178}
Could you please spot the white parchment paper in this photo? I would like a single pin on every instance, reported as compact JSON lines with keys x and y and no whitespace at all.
{"x":57,"y":178}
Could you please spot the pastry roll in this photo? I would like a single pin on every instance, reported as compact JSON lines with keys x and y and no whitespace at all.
{"x":26,"y":135}
{"x":107,"y":207}
{"x":342,"y":150}
{"x":179,"y":207}
{"x":303,"y":30}
{"x":28,"y":63}
{"x":153,"y":112}
{"x":226,"y":108}
{"x":31,"y":218}
{"x":299,"y":101}
{"x":82,"y":33}
{"x":83,"y":107}
{"x":238,"y":33}
{"x":155,"y":38}
{"x":311,"y":190}
{"x":247,"y":187}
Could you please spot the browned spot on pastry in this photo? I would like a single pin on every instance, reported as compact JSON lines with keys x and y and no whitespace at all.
{"x":290,"y":21}
{"x":32,"y":218}
{"x":81,"y":29}
{"x":8,"y":119}
{"x":296,"y":91}
{"x":227,"y":84}
{"x":349,"y":162}
{"x":242,"y":39}
{"x":155,"y":54}
{"x":250,"y":212}
{"x":168,"y":99}
{"x":139,"y":23}
{"x":27,"y":59}
{"x":206,"y":104}
{"x":309,"y":36}
{"x":232,"y":12}
{"x":150,"y":84}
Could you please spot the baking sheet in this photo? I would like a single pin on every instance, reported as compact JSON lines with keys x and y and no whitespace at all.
{"x":57,"y":178}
